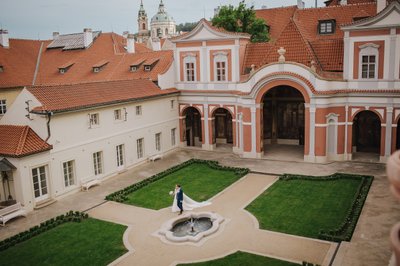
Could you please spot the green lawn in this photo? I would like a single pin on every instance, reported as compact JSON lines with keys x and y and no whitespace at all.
{"x":198,"y":181}
{"x":304,"y":207}
{"x":243,"y":259}
{"x":90,"y":242}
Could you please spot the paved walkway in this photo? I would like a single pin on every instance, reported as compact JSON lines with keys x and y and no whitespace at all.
{"x":369,"y":245}
{"x":239,"y":232}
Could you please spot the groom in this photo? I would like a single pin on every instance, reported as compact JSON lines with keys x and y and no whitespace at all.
{"x":179,"y":198}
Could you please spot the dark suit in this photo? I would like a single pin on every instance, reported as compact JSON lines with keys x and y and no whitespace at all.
{"x":179,"y":199}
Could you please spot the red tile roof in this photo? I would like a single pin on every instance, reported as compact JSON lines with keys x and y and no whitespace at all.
{"x":20,"y":141}
{"x":19,"y":63}
{"x":297,"y":31}
{"x":61,"y":98}
{"x":349,"y":2}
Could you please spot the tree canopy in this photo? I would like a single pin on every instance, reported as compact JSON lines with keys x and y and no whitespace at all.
{"x":188,"y":26}
{"x":242,"y":19}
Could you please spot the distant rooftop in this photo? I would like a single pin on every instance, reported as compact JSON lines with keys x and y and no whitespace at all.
{"x":71,"y":41}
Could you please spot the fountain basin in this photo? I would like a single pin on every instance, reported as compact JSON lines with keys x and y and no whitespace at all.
{"x":191,"y":227}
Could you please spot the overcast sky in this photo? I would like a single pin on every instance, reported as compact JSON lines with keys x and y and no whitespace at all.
{"x":37,"y":19}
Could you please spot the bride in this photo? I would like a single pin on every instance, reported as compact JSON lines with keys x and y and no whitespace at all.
{"x":188,"y":204}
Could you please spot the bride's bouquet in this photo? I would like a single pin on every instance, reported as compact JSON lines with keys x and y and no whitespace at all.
{"x":171,"y":193}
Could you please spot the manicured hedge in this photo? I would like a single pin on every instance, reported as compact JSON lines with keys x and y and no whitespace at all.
{"x":121,"y":195}
{"x":345,"y":230}
{"x":70,"y":216}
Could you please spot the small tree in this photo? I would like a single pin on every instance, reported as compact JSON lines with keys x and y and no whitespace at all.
{"x":242,"y":19}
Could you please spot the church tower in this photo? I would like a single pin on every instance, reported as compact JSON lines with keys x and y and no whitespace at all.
{"x":143,"y":28}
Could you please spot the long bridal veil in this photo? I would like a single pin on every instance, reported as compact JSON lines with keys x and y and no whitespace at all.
{"x":188,"y":204}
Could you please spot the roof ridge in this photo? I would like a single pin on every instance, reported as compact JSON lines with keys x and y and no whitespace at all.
{"x":338,"y":6}
{"x":47,"y":85}
{"x":279,"y":7}
{"x":22,"y":140}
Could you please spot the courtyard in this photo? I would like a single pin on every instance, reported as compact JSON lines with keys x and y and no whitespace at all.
{"x":369,"y":244}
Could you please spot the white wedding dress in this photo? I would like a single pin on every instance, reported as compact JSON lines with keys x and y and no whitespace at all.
{"x":188,"y":204}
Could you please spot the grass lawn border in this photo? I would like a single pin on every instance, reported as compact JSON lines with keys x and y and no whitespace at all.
{"x":121,"y":195}
{"x":70,"y":216}
{"x":345,"y":230}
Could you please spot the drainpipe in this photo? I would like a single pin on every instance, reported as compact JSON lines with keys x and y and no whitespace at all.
{"x":49,"y":114}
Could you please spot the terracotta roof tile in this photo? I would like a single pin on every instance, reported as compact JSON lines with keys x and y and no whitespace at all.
{"x":61,"y":98}
{"x":19,"y":63}
{"x":19,"y":141}
{"x":329,"y":53}
{"x":101,"y":63}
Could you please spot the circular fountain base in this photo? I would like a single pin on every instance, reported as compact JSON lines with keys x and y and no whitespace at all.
{"x":191,"y":227}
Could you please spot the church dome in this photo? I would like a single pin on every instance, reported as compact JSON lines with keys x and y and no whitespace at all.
{"x":162,"y":15}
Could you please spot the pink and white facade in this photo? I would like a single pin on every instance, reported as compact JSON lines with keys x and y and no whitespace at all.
{"x":333,"y":118}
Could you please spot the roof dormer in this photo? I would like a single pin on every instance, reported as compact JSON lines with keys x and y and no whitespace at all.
{"x":150,"y":63}
{"x":135,"y":65}
{"x":326,"y":26}
{"x":1,"y":68}
{"x":65,"y":67}
{"x":99,"y":66}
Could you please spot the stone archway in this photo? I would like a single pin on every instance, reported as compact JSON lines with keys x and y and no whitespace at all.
{"x":222,"y":128}
{"x":283,"y":122}
{"x":192,"y":129}
{"x":366,"y":135}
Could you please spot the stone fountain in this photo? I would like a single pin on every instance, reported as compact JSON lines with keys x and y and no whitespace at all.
{"x":191,"y":227}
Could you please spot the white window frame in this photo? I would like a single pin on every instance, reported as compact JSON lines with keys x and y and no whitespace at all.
{"x":368,"y":49}
{"x":140,"y":148}
{"x":157,"y":137}
{"x":94,"y":120}
{"x":40,"y":187}
{"x":98,"y":163}
{"x":189,"y":59}
{"x":69,"y":173}
{"x":120,"y":155}
{"x":221,"y":57}
{"x":118,"y":114}
{"x":138,"y":110}
{"x":173,"y":137}
{"x":3,"y":106}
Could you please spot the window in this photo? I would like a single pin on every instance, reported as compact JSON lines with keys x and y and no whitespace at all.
{"x":1,"y":69}
{"x":368,"y":66}
{"x":220,"y":66}
{"x":69,"y":176}
{"x":96,"y":69}
{"x":172,"y":104}
{"x":173,"y":138}
{"x":40,"y":183}
{"x":139,"y":110}
{"x":221,"y":71}
{"x":3,"y":107}
{"x":133,"y":68}
{"x":140,"y":148}
{"x":189,"y":71}
{"x":97,"y":163}
{"x":120,"y":155}
{"x":147,"y":68}
{"x":118,"y":114}
{"x":326,"y":26}
{"x":158,"y":142}
{"x":189,"y":63}
{"x":94,"y":119}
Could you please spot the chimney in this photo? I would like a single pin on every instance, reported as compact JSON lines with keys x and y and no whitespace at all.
{"x":55,"y":35}
{"x":130,"y":43}
{"x":87,"y":37}
{"x":300,"y":4}
{"x":156,"y":44}
{"x":4,"y":38}
{"x":381,"y":4}
{"x":125,"y":34}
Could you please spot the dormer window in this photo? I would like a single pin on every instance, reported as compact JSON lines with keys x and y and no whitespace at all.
{"x":64,"y":68}
{"x":1,"y":69}
{"x":326,"y":26}
{"x":99,"y":66}
{"x":150,"y":63}
{"x":135,"y":65}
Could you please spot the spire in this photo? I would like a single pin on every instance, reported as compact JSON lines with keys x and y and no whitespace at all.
{"x":142,"y":12}
{"x":161,"y":8}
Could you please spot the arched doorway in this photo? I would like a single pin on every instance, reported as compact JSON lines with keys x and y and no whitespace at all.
{"x":366,"y":134}
{"x":192,"y":132}
{"x":283,"y":121}
{"x":222,"y":128}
